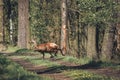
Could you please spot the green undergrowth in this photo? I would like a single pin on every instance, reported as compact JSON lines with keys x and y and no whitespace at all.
{"x":11,"y":49}
{"x":12,"y":71}
{"x":36,"y":58}
{"x":77,"y":73}
{"x":85,"y":75}
{"x":41,"y":62}
{"x":24,"y":52}
{"x":75,"y":60}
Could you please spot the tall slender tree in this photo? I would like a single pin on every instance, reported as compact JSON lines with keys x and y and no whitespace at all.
{"x":1,"y":20}
{"x":23,"y":23}
{"x":64,"y":26}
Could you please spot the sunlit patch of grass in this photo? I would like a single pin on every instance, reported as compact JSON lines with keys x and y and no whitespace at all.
{"x":11,"y":49}
{"x":85,"y":75}
{"x":42,"y":62}
{"x":24,"y":50}
{"x":84,"y":60}
{"x":24,"y":57}
{"x":37,"y":60}
{"x":75,"y":60}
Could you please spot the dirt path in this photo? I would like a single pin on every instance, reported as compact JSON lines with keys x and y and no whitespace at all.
{"x":106,"y":72}
{"x":58,"y":75}
{"x":41,"y":70}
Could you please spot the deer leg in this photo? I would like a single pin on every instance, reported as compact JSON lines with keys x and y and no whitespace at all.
{"x":43,"y":55}
{"x":51,"y":55}
{"x":61,"y":52}
{"x":56,"y":53}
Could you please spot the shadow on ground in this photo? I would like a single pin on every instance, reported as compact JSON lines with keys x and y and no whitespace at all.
{"x":58,"y":69}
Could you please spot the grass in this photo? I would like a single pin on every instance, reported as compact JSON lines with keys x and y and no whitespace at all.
{"x":41,"y":62}
{"x":85,"y":75}
{"x":11,"y":49}
{"x":12,"y":71}
{"x":76,"y":74}
{"x":75,"y":60}
{"x":36,"y":58}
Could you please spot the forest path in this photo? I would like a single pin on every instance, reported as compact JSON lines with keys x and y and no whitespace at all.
{"x":44,"y":71}
{"x":56,"y":74}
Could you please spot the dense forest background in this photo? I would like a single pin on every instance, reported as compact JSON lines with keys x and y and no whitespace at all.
{"x":92,"y":26}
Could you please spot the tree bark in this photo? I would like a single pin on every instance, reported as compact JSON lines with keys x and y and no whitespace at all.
{"x":1,"y":20}
{"x":107,"y":46}
{"x":118,"y":37}
{"x":91,"y":43}
{"x":23,"y":23}
{"x":64,"y":26}
{"x":118,"y":29}
{"x":2,"y":46}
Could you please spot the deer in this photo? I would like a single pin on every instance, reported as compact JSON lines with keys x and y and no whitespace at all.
{"x":48,"y":47}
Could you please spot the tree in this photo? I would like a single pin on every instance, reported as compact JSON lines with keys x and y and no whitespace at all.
{"x":108,"y":39}
{"x":2,"y":46}
{"x":91,"y":42}
{"x":118,"y":28}
{"x":23,"y":23}
{"x":107,"y":46}
{"x":64,"y":26}
{"x":45,"y":20}
{"x":88,"y":17}
{"x":1,"y":20}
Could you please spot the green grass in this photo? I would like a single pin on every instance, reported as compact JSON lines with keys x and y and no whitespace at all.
{"x":85,"y":75}
{"x":11,"y":49}
{"x":75,"y":60}
{"x":117,"y":67}
{"x":41,"y":62}
{"x":37,"y":60}
{"x":112,"y":65}
{"x":76,"y":74}
{"x":12,"y":71}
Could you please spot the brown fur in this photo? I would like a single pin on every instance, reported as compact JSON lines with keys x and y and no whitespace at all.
{"x":47,"y":47}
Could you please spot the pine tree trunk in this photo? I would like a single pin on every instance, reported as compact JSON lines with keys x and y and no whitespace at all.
{"x":64,"y":26}
{"x":91,"y":42}
{"x":23,"y":23}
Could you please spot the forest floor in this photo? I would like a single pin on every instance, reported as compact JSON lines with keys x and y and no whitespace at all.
{"x":56,"y":74}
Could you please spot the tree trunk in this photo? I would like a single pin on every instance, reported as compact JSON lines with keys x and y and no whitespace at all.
{"x":118,"y":30}
{"x":107,"y":46}
{"x":23,"y":23}
{"x":64,"y":26}
{"x":91,"y":42}
{"x":118,"y":37}
{"x":2,"y":46}
{"x":1,"y":20}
